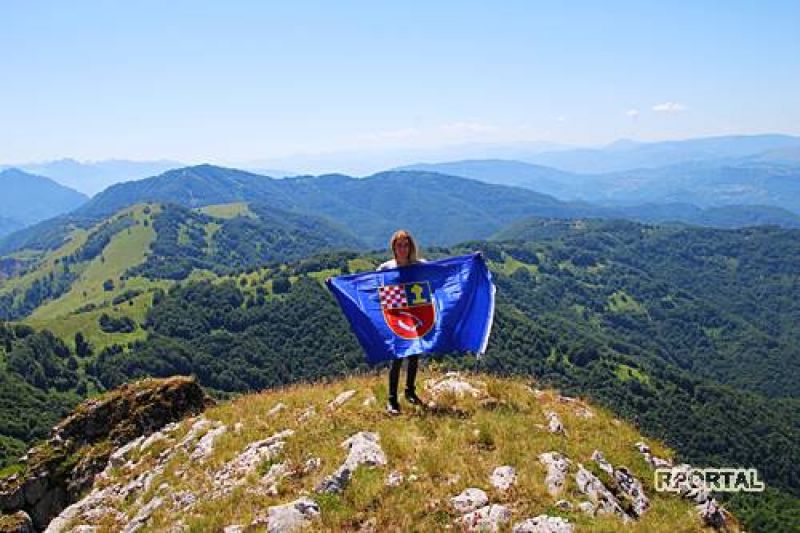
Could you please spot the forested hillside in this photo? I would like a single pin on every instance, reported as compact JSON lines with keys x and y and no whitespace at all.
{"x":690,"y":333}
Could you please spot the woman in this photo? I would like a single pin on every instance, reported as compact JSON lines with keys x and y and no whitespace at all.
{"x":404,"y":250}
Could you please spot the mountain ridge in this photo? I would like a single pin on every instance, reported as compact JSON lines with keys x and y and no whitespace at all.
{"x":28,"y":198}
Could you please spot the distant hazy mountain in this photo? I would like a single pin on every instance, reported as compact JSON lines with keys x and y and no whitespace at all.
{"x":538,"y":178}
{"x":441,"y":209}
{"x":749,"y":181}
{"x":92,"y":177}
{"x":627,"y":155}
{"x":27,"y":199}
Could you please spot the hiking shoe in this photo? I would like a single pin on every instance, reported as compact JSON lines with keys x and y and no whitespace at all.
{"x":392,"y":408}
{"x":413,"y":399}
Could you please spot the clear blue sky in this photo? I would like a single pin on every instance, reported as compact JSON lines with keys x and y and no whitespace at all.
{"x":245,"y":80}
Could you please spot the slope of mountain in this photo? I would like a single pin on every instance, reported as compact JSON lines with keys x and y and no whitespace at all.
{"x":690,"y":333}
{"x":271,"y":461}
{"x":444,"y":209}
{"x":91,"y":177}
{"x":703,"y":184}
{"x":140,"y":248}
{"x":28,"y":198}
{"x":628,"y":156}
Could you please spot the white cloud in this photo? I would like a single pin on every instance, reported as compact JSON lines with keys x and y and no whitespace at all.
{"x":669,"y":107}
{"x":633,"y":113}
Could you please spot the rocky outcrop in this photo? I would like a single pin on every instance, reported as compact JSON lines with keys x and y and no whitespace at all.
{"x":469,"y":500}
{"x":544,"y":524}
{"x":603,"y":499}
{"x":59,"y":470}
{"x":554,"y":424}
{"x":488,"y":518}
{"x":18,"y":522}
{"x":364,"y":449}
{"x":503,"y":477}
{"x":292,"y":516}
{"x":557,"y":467}
{"x":451,"y":383}
{"x":341,"y":399}
{"x":234,"y":472}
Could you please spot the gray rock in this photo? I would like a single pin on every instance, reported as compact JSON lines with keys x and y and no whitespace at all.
{"x":600,"y":459}
{"x":586,"y":508}
{"x":143,"y":516}
{"x":19,"y":522}
{"x":307,"y":414}
{"x":554,"y":424}
{"x":236,"y":469}
{"x":341,"y":399}
{"x":603,"y":499}
{"x":564,"y":505}
{"x":364,"y":449}
{"x":452,"y":383}
{"x":712,"y":514}
{"x":557,"y":467}
{"x":633,"y":490}
{"x":118,"y":457}
{"x":489,"y":518}
{"x":469,"y":500}
{"x":544,"y":524}
{"x":290,"y":517}
{"x":503,"y":477}
{"x":205,"y":445}
{"x":655,"y":462}
{"x":280,"y":406}
{"x":394,"y":479}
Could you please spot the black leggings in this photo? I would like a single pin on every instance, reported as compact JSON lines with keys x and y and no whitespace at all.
{"x":411,"y":375}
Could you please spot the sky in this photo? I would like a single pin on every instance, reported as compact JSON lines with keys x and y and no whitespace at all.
{"x":252,"y":81}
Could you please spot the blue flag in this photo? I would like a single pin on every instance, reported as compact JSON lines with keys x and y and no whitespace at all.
{"x":437,"y":306}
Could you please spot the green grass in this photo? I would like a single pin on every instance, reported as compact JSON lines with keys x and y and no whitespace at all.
{"x":238,"y":209}
{"x":446,"y":453}
{"x":622,"y":302}
{"x":627,"y":373}
{"x":126,"y":249}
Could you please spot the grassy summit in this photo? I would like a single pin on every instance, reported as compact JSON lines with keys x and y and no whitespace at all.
{"x":185,"y":473}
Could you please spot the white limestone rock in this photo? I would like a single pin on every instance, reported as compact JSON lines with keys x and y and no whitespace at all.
{"x":469,"y":500}
{"x":452,"y":383}
{"x":394,"y":479}
{"x":557,"y":467}
{"x":602,"y":498}
{"x":292,"y":516}
{"x":544,"y":524}
{"x":237,"y":469}
{"x":364,"y":449}
{"x":488,"y":518}
{"x":600,"y":459}
{"x":205,"y":446}
{"x":341,"y":399}
{"x":280,"y":406}
{"x":503,"y":477}
{"x":554,"y":424}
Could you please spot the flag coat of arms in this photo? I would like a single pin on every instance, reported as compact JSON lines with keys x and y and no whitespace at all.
{"x":436,"y":306}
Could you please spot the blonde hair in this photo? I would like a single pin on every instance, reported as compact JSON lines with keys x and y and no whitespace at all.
{"x":412,"y":244}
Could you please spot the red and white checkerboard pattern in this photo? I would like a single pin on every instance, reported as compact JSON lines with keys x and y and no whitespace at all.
{"x":393,"y":296}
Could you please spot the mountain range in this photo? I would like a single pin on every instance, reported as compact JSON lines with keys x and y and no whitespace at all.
{"x":705,"y":184}
{"x":28,"y":198}
{"x":442,"y":209}
{"x":91,"y":177}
